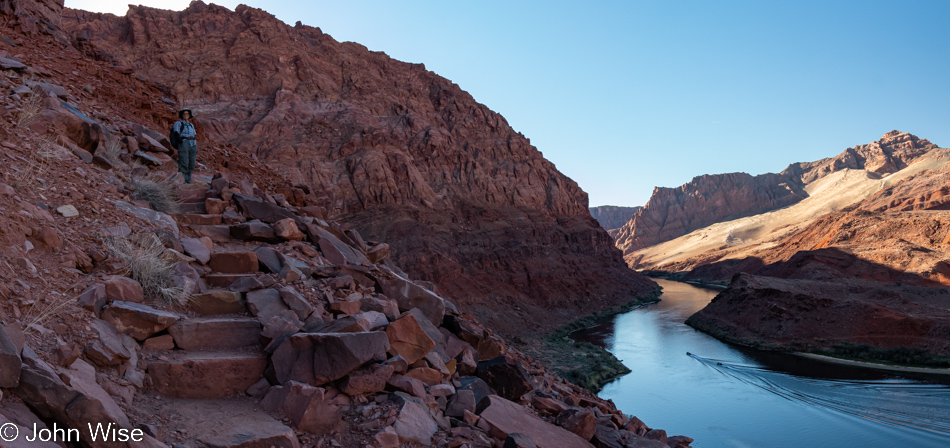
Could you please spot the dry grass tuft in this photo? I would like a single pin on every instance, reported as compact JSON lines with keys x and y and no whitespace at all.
{"x":50,"y":304}
{"x":146,"y":263}
{"x":160,"y":192}
{"x":112,"y":152}
{"x":31,"y":108}
{"x":45,"y":152}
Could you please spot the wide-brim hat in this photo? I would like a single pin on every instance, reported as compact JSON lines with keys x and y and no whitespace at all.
{"x":182,"y":112}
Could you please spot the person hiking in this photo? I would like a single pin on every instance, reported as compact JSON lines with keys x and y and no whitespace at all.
{"x":183,"y":139}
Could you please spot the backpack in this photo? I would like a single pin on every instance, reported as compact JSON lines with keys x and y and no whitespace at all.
{"x":174,"y":137}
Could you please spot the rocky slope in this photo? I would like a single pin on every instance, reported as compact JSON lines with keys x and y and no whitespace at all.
{"x":612,"y":217}
{"x":404,"y":155}
{"x":709,"y":199}
{"x":231,"y":318}
{"x":841,"y":316}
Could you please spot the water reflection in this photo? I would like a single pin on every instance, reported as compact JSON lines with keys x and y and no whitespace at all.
{"x":724,"y":396}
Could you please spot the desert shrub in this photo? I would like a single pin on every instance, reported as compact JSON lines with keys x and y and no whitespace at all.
{"x":146,"y":262}
{"x":31,"y":108}
{"x":160,"y":192}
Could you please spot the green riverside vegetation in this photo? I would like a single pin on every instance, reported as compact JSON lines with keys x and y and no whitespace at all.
{"x":585,"y":364}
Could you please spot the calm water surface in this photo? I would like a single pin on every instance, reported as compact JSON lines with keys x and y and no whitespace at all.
{"x":726,"y":396}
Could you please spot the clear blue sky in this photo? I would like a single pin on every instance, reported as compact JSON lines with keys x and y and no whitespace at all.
{"x":623,"y":96}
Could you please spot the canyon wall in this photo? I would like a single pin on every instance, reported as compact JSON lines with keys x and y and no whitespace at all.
{"x":708,"y":199}
{"x":403,"y":154}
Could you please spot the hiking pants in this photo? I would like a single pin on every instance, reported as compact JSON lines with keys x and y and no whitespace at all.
{"x":187,"y":152}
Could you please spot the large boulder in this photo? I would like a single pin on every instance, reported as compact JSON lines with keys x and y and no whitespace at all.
{"x":579,"y":421}
{"x":197,"y":248}
{"x":414,"y":424}
{"x":506,"y":376}
{"x":111,"y":348}
{"x":265,"y":304}
{"x":333,"y":249}
{"x":253,"y":231}
{"x":93,"y":298}
{"x":287,"y":229}
{"x":279,"y":328}
{"x":80,"y":403}
{"x":410,"y":295}
{"x":505,"y":417}
{"x":296,"y":302}
{"x":255,"y":208}
{"x":367,"y":380}
{"x":137,"y":320}
{"x":307,"y":407}
{"x":407,"y":339}
{"x":318,"y":358}
{"x":123,"y":288}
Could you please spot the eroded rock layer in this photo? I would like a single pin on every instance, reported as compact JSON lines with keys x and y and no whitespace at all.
{"x":708,"y":199}
{"x":405,"y":155}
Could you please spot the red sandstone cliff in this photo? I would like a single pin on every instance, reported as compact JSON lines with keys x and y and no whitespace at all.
{"x":405,"y":155}
{"x":708,"y":199}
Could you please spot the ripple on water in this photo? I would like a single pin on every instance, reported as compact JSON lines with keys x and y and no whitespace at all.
{"x":726,"y":396}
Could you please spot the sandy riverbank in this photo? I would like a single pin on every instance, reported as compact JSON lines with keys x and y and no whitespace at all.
{"x":874,"y":365}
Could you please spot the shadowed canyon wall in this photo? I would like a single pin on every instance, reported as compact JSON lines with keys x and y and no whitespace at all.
{"x":407,"y":156}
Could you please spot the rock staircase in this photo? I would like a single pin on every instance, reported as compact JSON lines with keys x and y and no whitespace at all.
{"x":296,"y":332}
{"x":217,"y":353}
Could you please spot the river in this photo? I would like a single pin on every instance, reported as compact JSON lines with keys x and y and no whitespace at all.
{"x":728,"y":396}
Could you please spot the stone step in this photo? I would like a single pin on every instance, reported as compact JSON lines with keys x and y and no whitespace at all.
{"x":234,"y":282}
{"x":192,"y":207}
{"x":193,"y":194}
{"x":190,"y":374}
{"x":212,"y":333}
{"x":225,"y":423}
{"x":218,"y":234}
{"x":199,"y":219}
{"x":234,"y":262}
{"x":217,"y":302}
